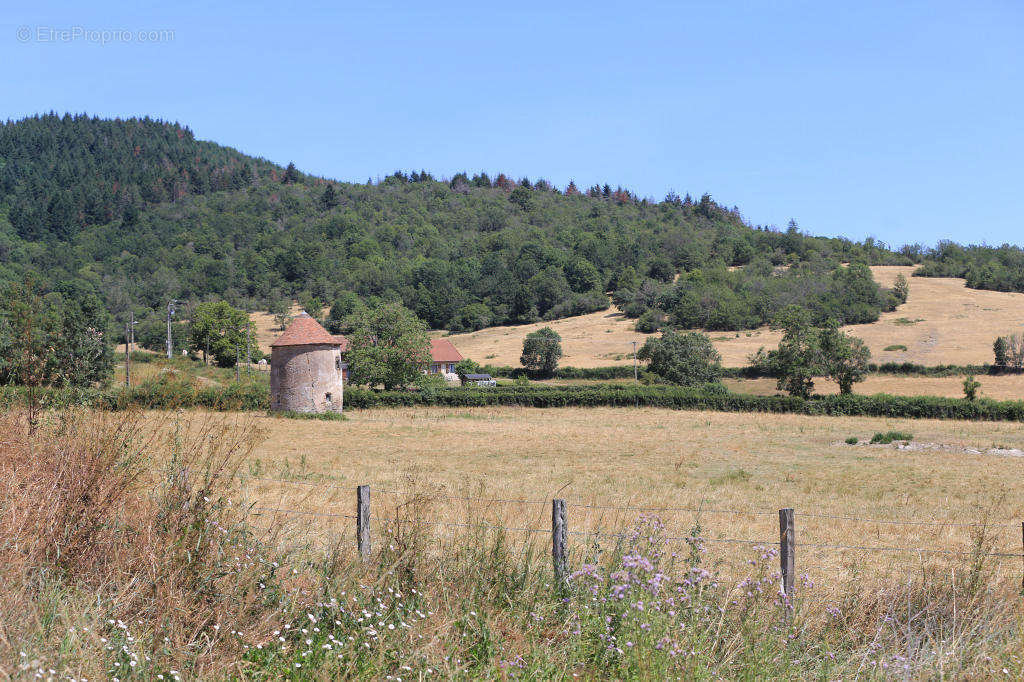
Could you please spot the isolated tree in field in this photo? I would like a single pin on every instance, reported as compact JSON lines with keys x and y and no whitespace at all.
{"x":224,"y":332}
{"x":971,"y":386}
{"x":542,"y":350}
{"x":1015,"y":350}
{"x":999,"y":350}
{"x":844,"y":358}
{"x":796,"y":360}
{"x":902,"y":288}
{"x":684,"y":358}
{"x":388,"y":346}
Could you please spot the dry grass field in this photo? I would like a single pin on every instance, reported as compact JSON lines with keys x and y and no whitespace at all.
{"x":266,"y":330}
{"x":942,"y":322}
{"x":739,"y":468}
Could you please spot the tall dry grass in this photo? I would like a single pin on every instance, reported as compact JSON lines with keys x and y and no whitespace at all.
{"x":125,"y":552}
{"x":99,"y":551}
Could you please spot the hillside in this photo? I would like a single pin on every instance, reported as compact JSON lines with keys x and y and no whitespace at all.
{"x":139,"y":211}
{"x":61,"y":175}
{"x":983,"y":267}
{"x":942,"y":322}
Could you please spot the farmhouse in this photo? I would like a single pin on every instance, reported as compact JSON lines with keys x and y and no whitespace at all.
{"x":443,"y":356}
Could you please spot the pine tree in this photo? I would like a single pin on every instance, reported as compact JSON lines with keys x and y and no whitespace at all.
{"x":1000,"y":352}
{"x":329,"y":199}
{"x":291,"y":175}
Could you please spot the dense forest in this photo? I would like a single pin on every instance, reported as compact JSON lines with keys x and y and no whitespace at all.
{"x":139,"y":212}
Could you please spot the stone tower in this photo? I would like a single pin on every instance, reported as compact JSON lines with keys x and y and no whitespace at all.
{"x":305,"y":368}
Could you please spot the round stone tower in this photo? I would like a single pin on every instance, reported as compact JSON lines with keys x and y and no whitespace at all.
{"x":306,"y":368}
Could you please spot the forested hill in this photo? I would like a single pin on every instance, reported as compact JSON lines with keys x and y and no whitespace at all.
{"x":139,"y":212}
{"x":59,"y":175}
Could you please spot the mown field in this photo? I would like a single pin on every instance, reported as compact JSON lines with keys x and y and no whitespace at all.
{"x":609,"y":462}
{"x":195,"y":545}
{"x":942,"y":322}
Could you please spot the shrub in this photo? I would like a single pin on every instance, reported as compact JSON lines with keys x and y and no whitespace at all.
{"x":650,"y":321}
{"x":971,"y":386}
{"x":896,"y":347}
{"x":467,"y":366}
{"x":884,"y":438}
{"x":852,"y":440}
{"x":683,"y":358}
{"x":578,"y":304}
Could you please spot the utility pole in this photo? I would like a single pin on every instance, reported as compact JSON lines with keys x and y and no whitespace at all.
{"x":127,"y":356}
{"x":248,"y":346}
{"x":170,"y":341}
{"x":237,"y":360}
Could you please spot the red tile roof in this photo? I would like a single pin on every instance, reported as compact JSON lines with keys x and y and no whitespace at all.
{"x":305,"y":331}
{"x":442,"y":350}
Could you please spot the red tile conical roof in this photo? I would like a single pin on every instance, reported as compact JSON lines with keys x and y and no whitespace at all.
{"x":305,"y":331}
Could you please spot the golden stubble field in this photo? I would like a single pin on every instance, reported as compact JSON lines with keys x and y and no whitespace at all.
{"x":942,"y":322}
{"x":610,"y":464}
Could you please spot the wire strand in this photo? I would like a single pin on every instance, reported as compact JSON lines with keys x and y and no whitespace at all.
{"x":607,"y":507}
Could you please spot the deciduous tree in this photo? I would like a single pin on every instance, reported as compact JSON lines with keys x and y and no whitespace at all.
{"x":843,"y":358}
{"x":223,"y":331}
{"x":683,"y":358}
{"x":542,"y":350}
{"x":388,"y":346}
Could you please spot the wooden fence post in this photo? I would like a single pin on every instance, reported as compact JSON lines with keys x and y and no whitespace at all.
{"x":787,"y":543}
{"x":363,"y":520}
{"x":558,"y":535}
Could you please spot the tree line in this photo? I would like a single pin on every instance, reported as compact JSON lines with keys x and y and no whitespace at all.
{"x":138,"y":212}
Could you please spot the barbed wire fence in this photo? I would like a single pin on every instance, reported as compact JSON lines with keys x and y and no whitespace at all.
{"x":560,"y":530}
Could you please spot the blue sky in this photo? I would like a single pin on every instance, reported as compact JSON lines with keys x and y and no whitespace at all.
{"x":899,"y":120}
